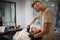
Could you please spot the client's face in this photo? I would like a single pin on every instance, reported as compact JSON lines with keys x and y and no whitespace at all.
{"x":34,"y":30}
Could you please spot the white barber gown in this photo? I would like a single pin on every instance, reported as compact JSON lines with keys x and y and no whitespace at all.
{"x":22,"y":35}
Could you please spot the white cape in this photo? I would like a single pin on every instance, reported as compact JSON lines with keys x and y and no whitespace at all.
{"x":22,"y":35}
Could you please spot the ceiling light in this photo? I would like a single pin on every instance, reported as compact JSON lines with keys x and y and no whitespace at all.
{"x":52,"y":5}
{"x":46,"y":0}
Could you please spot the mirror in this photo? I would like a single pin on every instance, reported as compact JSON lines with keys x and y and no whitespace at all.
{"x":8,"y":14}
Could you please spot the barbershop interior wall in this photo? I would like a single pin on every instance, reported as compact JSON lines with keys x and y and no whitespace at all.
{"x":24,"y":12}
{"x":28,"y":11}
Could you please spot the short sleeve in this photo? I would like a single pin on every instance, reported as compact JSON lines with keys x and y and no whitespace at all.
{"x":48,"y":16}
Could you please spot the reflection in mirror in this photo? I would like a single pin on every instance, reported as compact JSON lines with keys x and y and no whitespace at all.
{"x":7,"y":14}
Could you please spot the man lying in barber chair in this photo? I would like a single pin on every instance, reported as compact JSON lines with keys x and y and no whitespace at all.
{"x":26,"y":34}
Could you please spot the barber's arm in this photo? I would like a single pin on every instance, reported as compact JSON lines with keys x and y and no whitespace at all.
{"x":46,"y":30}
{"x":33,"y":20}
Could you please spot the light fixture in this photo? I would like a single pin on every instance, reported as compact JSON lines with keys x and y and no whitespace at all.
{"x":46,"y":0}
{"x":52,"y":5}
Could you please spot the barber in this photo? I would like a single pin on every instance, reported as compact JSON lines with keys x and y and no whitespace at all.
{"x":46,"y":18}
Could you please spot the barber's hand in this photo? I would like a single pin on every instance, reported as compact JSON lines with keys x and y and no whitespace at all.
{"x":28,"y":28}
{"x":31,"y":36}
{"x":35,"y":36}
